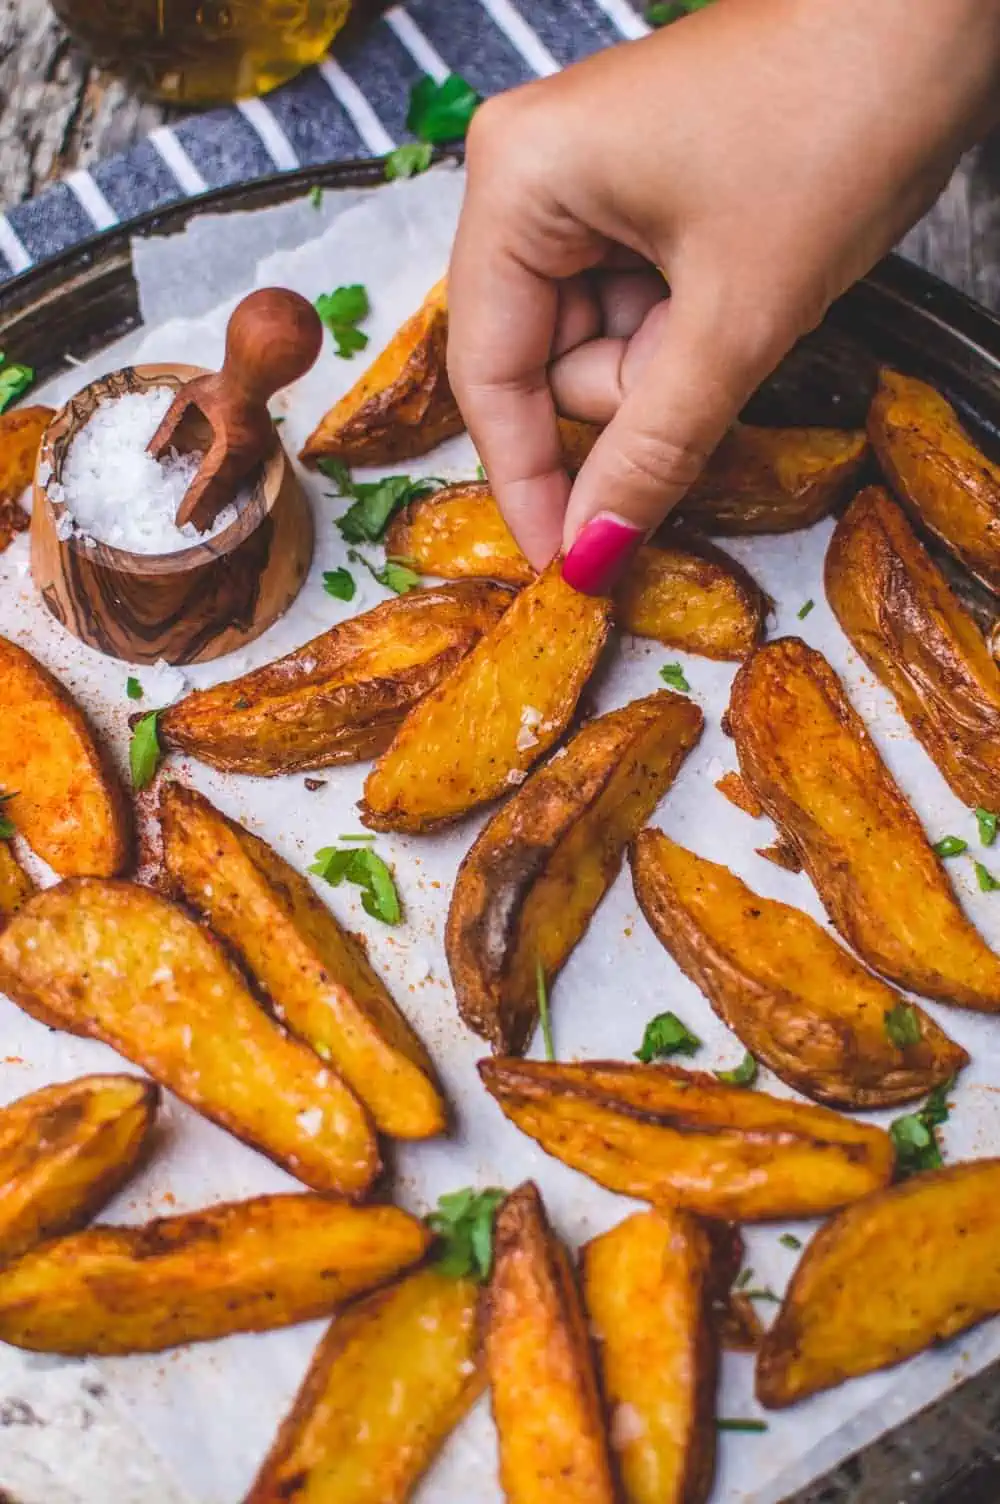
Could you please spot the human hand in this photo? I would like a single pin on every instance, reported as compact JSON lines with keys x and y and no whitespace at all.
{"x":762,"y":153}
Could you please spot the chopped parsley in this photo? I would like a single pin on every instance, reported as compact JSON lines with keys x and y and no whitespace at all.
{"x":407,"y":160}
{"x":914,"y":1137}
{"x":361,"y":865}
{"x":673,"y":675}
{"x":743,"y":1279}
{"x":7,"y":826}
{"x":315,"y":195}
{"x":441,"y":111}
{"x":395,"y":574}
{"x":373,"y":503}
{"x":340,"y":584}
{"x":902,"y":1025}
{"x":480,"y":472}
{"x":133,"y":688}
{"x":463,"y":1224}
{"x":545,"y":1017}
{"x":950,"y":846}
{"x":804,"y":609}
{"x":144,"y":750}
{"x":359,"y":837}
{"x":984,"y":877}
{"x":764,"y":1293}
{"x":987,"y":823}
{"x":789,"y":1240}
{"x":341,"y":311}
{"x":754,"y":1426}
{"x":666,"y":1035}
{"x":15,"y":380}
{"x":744,"y":1074}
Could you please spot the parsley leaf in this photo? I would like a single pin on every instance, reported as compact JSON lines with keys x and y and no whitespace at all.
{"x":764,"y":1293}
{"x":987,"y":823}
{"x":7,"y":826}
{"x":14,"y":381}
{"x":789,"y":1240}
{"x":406,"y":161}
{"x":340,"y":584}
{"x":341,"y":310}
{"x":984,"y":877}
{"x":361,"y":865}
{"x":744,"y":1278}
{"x":754,"y":1426}
{"x":673,"y":674}
{"x":541,"y":992}
{"x":463,"y":1223}
{"x":338,"y":472}
{"x":144,"y":750}
{"x":133,"y":688}
{"x":744,"y":1074}
{"x":315,"y":195}
{"x":902,"y":1025}
{"x":441,"y":111}
{"x":913,"y":1136}
{"x":936,"y":1109}
{"x":804,"y":610}
{"x":376,"y":503}
{"x":666,"y":1035}
{"x":480,"y":472}
{"x":395,"y":574}
{"x":950,"y":846}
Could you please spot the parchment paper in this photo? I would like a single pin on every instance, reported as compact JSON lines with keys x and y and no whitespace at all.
{"x":204,"y":1417}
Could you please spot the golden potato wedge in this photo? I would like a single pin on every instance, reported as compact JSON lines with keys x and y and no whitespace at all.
{"x":541,"y":1367}
{"x":67,"y":801}
{"x":647,"y":1288}
{"x":65,"y":1150}
{"x":342,"y":696}
{"x":528,"y":887}
{"x":682,"y":1138}
{"x":476,"y":735}
{"x":805,"y":752}
{"x":885,"y":1279}
{"x":800,"y":1003}
{"x":15,"y":884}
{"x":898,"y":610}
{"x":458,"y":533}
{"x":773,"y":480}
{"x":737,"y":1325}
{"x":317,"y":975}
{"x":122,"y":964}
{"x":20,"y":435}
{"x":938,"y":472}
{"x":391,"y":1378}
{"x":241,"y":1266}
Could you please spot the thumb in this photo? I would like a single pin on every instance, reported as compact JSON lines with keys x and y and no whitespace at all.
{"x":682,"y":381}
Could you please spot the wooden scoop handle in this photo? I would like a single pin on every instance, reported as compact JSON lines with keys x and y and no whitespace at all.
{"x":273,"y":337}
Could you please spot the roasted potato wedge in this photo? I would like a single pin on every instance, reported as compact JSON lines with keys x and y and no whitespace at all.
{"x":938,"y":472}
{"x":885,"y":1279}
{"x":15,"y":884}
{"x":66,"y":799}
{"x":691,"y":597}
{"x":805,"y":752}
{"x":64,"y":1151}
{"x":681,"y":1138}
{"x":531,"y":881}
{"x":898,"y":610}
{"x":478,"y":733}
{"x":20,"y":435}
{"x":391,"y":1378}
{"x":242,"y":1266}
{"x":541,"y":1367}
{"x":317,"y":975}
{"x":799,"y":1002}
{"x":647,"y":1288}
{"x":773,"y":480}
{"x":342,"y":696}
{"x":122,"y":964}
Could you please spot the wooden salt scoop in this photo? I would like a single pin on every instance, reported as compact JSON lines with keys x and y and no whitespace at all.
{"x":272,"y":339}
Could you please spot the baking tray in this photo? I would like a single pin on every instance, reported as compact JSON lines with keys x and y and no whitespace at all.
{"x":80,"y":301}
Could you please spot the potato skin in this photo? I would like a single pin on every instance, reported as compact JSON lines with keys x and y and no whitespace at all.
{"x":528,"y":887}
{"x":807,"y":756}
{"x":459,"y":533}
{"x":541,"y":1367}
{"x":65,"y":1150}
{"x":15,"y":884}
{"x":938,"y":472}
{"x":341,"y":697}
{"x":20,"y":435}
{"x":801,"y":1004}
{"x":119,"y":963}
{"x":392,"y":1377}
{"x":884,"y":1279}
{"x":897,"y":608}
{"x":69,"y":804}
{"x":681,"y":1138}
{"x":647,"y":1287}
{"x":470,"y":732}
{"x":317,"y":975}
{"x":242,"y":1266}
{"x":773,"y":480}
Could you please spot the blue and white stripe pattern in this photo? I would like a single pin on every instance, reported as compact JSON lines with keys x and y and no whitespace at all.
{"x":353,"y":105}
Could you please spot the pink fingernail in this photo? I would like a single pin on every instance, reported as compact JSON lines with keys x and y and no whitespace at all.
{"x":600,"y":554}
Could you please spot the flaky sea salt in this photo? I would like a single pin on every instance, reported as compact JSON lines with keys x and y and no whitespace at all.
{"x":527,"y":736}
{"x":310,"y":1121}
{"x":117,"y":493}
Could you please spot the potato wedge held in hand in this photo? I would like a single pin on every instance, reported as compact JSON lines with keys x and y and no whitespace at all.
{"x":885,"y":1279}
{"x":805,"y":753}
{"x":66,"y":799}
{"x":317,"y":975}
{"x":541,"y":1367}
{"x":389,"y":1381}
{"x":800,"y":1003}
{"x":899,"y":611}
{"x":773,"y":480}
{"x":647,"y":1287}
{"x":681,"y":1138}
{"x":342,"y":696}
{"x":16,"y":886}
{"x":64,"y":1151}
{"x":242,"y":1266}
{"x":938,"y":472}
{"x":119,"y":963}
{"x":475,"y":736}
{"x":528,"y":887}
{"x":20,"y":435}
{"x":458,"y":533}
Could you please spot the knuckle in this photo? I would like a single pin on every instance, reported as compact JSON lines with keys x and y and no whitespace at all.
{"x":652,"y":463}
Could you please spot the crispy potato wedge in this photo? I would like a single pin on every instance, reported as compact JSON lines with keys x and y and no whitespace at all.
{"x":885,"y":1279}
{"x":20,"y":435}
{"x":647,"y":1287}
{"x":938,"y":472}
{"x":391,"y":1378}
{"x":317,"y":975}
{"x":799,"y":1002}
{"x":67,"y":801}
{"x":478,"y":733}
{"x":242,"y":1266}
{"x":736,"y":1322}
{"x":15,"y":884}
{"x":342,"y":696}
{"x":458,"y":533}
{"x":898,"y":610}
{"x":65,"y":1150}
{"x":528,"y":887}
{"x":773,"y":480}
{"x":122,"y":964}
{"x":805,"y":752}
{"x":681,"y":1138}
{"x":541,"y":1367}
